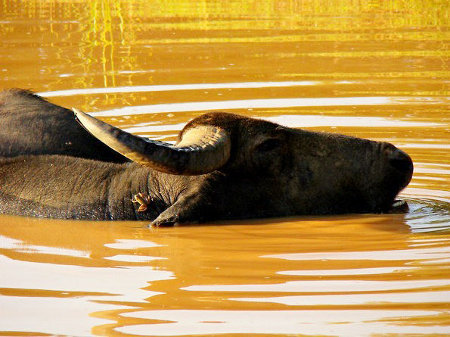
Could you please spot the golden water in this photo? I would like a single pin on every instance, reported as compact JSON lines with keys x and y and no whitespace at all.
{"x":374,"y":69}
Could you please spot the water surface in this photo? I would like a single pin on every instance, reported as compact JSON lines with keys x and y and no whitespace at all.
{"x":377,"y":70}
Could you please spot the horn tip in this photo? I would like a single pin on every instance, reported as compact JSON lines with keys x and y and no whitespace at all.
{"x":81,"y":116}
{"x":77,"y":112}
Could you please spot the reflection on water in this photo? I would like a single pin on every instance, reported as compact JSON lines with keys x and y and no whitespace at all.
{"x":376,"y":69}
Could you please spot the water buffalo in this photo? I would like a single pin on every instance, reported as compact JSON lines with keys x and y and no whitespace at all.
{"x":223,"y":166}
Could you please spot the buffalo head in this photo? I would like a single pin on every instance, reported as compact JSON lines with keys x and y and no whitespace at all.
{"x":246,"y":168}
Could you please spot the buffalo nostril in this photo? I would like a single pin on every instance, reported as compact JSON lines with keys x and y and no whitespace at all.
{"x":401,"y":164}
{"x":399,"y":159}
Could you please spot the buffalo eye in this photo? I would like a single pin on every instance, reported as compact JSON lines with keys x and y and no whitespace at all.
{"x":269,"y":145}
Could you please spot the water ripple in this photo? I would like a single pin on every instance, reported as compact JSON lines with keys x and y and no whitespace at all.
{"x":250,"y":322}
{"x":176,"y":87}
{"x":324,"y":286}
{"x":425,"y":254}
{"x":428,"y":215}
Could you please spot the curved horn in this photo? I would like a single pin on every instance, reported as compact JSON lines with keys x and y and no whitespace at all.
{"x":202,"y":149}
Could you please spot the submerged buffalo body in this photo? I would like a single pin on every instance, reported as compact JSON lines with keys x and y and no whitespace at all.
{"x":224,"y":166}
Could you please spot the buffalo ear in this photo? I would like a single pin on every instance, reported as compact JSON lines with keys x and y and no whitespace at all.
{"x":165,"y":221}
{"x":185,"y":210}
{"x":195,"y":205}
